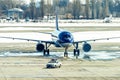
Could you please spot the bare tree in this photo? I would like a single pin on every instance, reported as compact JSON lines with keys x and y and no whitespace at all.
{"x":76,"y":9}
{"x":98,"y":9}
{"x":42,"y":5}
{"x":87,"y":9}
{"x":106,"y":8}
{"x":93,"y":2}
{"x":94,"y":9}
{"x":32,"y":9}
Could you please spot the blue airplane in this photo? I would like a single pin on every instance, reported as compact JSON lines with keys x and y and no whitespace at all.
{"x":61,"y":38}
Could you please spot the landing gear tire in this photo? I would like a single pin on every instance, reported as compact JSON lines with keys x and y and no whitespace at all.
{"x":66,"y":54}
{"x":76,"y":53}
{"x":46,"y":52}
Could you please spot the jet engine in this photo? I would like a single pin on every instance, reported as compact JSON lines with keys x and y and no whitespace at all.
{"x":86,"y":47}
{"x":40,"y":47}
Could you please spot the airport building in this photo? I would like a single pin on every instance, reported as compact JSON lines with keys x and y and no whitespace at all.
{"x":15,"y":13}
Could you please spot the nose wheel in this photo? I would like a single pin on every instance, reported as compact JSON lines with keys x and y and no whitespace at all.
{"x":66,"y":52}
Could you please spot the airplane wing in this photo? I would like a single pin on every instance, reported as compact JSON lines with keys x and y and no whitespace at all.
{"x":79,"y":37}
{"x":97,"y":36}
{"x":35,"y":37}
{"x":99,"y":39}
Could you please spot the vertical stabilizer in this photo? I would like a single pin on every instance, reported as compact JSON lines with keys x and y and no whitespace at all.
{"x":57,"y":27}
{"x":110,"y":17}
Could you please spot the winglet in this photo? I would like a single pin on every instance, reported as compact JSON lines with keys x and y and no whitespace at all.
{"x":57,"y":27}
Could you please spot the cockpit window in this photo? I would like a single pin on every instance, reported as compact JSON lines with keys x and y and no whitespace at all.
{"x":65,"y":36}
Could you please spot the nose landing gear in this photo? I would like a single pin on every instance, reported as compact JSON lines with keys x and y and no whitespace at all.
{"x":76,"y":51}
{"x":66,"y":52}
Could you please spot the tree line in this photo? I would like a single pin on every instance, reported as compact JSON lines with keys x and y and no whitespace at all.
{"x":92,"y":9}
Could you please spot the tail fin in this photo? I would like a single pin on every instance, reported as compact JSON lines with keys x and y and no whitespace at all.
{"x":57,"y":27}
{"x":110,"y":17}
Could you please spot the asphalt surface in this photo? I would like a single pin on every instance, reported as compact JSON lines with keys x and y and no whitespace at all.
{"x":35,"y":68}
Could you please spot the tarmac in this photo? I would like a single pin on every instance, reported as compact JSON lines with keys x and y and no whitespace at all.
{"x":34,"y":68}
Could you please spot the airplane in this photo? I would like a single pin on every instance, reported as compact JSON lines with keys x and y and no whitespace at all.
{"x":108,"y":19}
{"x":61,"y":38}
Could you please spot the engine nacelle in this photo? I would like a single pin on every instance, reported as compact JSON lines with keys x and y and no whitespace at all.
{"x":86,"y":47}
{"x":40,"y":47}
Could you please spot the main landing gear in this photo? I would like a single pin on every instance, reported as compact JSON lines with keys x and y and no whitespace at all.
{"x":46,"y":51}
{"x":76,"y":51}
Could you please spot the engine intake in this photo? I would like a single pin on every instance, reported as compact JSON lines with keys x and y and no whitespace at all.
{"x":86,"y":47}
{"x":40,"y":47}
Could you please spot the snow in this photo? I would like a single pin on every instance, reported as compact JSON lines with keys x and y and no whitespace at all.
{"x":81,"y":23}
{"x":78,"y":36}
{"x":22,"y":28}
{"x":32,"y":35}
{"x":99,"y":55}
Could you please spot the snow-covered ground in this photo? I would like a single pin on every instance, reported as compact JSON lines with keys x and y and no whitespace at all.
{"x":23,"y":28}
{"x":32,"y":35}
{"x":52,"y":24}
{"x":99,"y":55}
{"x":90,"y":35}
{"x":80,"y":36}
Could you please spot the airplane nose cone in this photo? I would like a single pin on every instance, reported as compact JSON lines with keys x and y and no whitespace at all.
{"x":65,"y":37}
